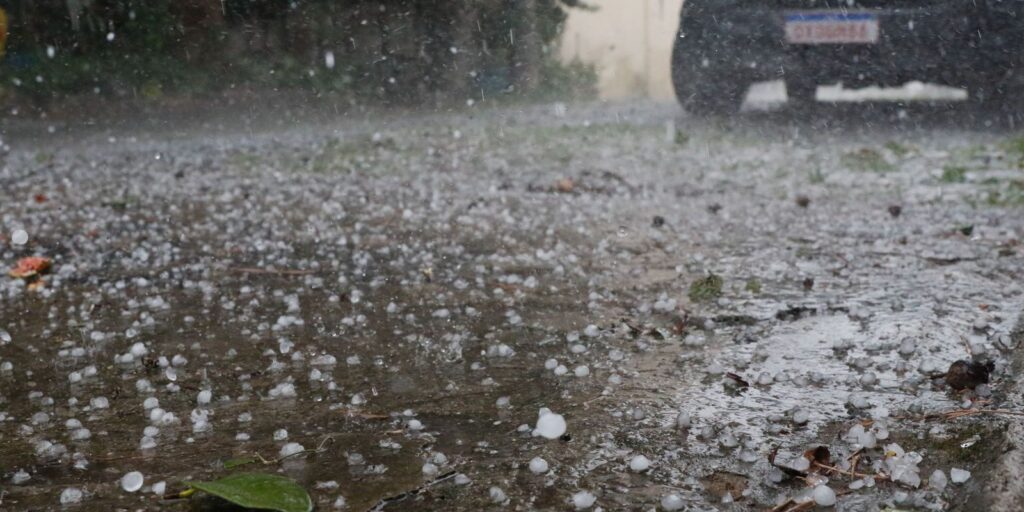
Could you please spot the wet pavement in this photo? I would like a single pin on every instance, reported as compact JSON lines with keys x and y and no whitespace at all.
{"x":402,"y":296}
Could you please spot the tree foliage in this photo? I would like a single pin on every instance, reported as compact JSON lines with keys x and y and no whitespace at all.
{"x":390,"y":50}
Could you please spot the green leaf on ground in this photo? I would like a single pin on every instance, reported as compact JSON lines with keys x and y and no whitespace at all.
{"x":260,"y":491}
{"x":706,"y":289}
{"x":954,"y":174}
{"x":754,"y":286}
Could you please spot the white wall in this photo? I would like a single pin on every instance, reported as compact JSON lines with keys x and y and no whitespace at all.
{"x":630,"y":43}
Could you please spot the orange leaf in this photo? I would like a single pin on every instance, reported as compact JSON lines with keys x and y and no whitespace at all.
{"x":30,"y":267}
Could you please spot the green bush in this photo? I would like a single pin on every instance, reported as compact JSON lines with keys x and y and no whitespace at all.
{"x":146,"y":49}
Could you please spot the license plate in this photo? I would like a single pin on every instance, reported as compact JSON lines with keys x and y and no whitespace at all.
{"x":831,"y":28}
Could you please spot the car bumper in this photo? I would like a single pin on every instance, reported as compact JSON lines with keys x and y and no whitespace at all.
{"x":945,"y":42}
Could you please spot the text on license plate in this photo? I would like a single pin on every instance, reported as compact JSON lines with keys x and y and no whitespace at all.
{"x":831,"y":28}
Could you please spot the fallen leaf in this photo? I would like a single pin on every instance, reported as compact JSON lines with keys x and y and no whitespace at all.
{"x":30,"y":267}
{"x":968,"y":374}
{"x":706,"y":289}
{"x":819,"y":455}
{"x":260,"y":491}
{"x":720,"y":483}
{"x":565,"y":185}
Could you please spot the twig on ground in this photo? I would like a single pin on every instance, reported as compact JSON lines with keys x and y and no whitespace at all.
{"x":849,"y":472}
{"x":855,"y":459}
{"x":951,"y":415}
{"x":792,"y":506}
{"x":960,"y":413}
{"x":967,"y":345}
{"x":269,"y":462}
{"x":383,"y":503}
{"x":355,"y":413}
{"x":319,"y":449}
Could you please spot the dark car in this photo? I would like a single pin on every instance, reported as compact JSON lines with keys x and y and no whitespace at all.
{"x":725,"y":45}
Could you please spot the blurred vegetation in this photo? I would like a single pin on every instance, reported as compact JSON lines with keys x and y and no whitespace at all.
{"x":412,"y":52}
{"x":953,"y":174}
{"x":706,"y":289}
{"x":867,"y":159}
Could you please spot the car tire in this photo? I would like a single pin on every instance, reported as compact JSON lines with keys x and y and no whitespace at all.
{"x":801,"y":92}
{"x":702,"y":89}
{"x":998,"y":99}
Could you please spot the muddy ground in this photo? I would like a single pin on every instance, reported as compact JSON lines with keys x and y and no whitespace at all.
{"x":401,"y":294}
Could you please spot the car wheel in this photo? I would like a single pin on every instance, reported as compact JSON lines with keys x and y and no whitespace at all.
{"x":701,"y":88}
{"x":999,"y":92}
{"x":801,"y":92}
{"x":997,"y":98}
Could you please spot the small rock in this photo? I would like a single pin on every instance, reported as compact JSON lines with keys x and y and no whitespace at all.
{"x":565,"y":185}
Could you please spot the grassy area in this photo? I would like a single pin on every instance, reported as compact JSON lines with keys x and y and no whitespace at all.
{"x":1007,"y":193}
{"x":867,"y":159}
{"x":706,"y":289}
{"x":953,"y":174}
{"x":898,"y":149}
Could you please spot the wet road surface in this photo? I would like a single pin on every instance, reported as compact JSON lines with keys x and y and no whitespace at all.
{"x":401,"y":296}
